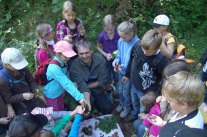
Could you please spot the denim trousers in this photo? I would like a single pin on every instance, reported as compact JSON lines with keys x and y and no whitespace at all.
{"x":139,"y":127}
{"x":124,"y":93}
{"x":136,"y":95}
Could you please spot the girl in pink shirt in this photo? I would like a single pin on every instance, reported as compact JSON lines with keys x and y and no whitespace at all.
{"x":45,"y":43}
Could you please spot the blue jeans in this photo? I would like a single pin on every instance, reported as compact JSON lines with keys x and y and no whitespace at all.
{"x":124,"y":93}
{"x":136,"y":95}
{"x":139,"y":127}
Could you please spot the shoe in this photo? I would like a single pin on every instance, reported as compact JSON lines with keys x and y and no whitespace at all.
{"x":119,"y":108}
{"x":130,"y":118}
{"x":124,"y":113}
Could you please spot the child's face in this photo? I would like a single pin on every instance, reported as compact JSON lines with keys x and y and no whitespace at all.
{"x":126,"y":37}
{"x":70,"y":16}
{"x":175,"y":105}
{"x":64,"y":58}
{"x":109,"y":29}
{"x":161,"y":29}
{"x":149,"y":52}
{"x":49,"y":36}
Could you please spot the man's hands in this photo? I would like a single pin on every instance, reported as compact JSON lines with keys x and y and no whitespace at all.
{"x":28,"y":96}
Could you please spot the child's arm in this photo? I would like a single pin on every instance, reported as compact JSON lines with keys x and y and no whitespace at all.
{"x":75,"y":127}
{"x":62,"y":122}
{"x":108,"y":56}
{"x":168,"y":49}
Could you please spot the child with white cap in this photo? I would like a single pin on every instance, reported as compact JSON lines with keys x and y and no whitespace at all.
{"x":161,"y":24}
{"x":17,"y":85}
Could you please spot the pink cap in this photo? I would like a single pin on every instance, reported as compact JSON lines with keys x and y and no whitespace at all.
{"x":65,"y":48}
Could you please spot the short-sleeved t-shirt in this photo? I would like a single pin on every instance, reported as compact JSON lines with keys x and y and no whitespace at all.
{"x":109,"y":45}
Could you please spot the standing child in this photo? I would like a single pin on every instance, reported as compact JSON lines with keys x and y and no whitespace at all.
{"x":46,"y":42}
{"x":164,"y":109}
{"x":70,"y":29}
{"x":128,"y":39}
{"x":107,"y":44}
{"x":59,"y":81}
{"x":185,"y":93}
{"x":161,"y":24}
{"x":145,"y":69}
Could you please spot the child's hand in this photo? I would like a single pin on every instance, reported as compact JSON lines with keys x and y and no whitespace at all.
{"x":142,"y":115}
{"x":198,"y":65}
{"x":82,"y":31}
{"x":68,"y":38}
{"x":80,"y":110}
{"x":5,"y":120}
{"x":124,"y":79}
{"x":155,"y":120}
{"x":115,"y":64}
{"x":158,"y":99}
{"x":109,"y":56}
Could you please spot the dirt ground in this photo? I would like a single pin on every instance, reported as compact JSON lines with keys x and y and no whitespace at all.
{"x":127,"y":128}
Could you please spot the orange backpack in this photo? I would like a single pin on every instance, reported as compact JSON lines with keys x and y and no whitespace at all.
{"x":181,"y":50}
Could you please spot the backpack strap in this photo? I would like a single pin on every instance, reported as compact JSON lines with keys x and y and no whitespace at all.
{"x":6,"y":76}
{"x":53,"y":61}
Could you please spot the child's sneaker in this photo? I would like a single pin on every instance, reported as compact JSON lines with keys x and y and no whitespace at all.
{"x":119,"y":108}
{"x":124,"y":113}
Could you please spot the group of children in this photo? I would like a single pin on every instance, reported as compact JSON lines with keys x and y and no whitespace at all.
{"x":152,"y":85}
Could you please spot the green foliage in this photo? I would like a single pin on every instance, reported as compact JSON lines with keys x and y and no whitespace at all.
{"x":20,"y":18}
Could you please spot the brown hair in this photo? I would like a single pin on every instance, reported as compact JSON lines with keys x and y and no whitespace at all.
{"x":148,"y":100}
{"x":152,"y":39}
{"x":176,"y":66}
{"x":184,"y":86}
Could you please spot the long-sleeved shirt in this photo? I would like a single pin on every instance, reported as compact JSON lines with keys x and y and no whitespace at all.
{"x":60,"y":82}
{"x":124,"y":52}
{"x":145,"y":72}
{"x":62,"y":123}
{"x":82,"y":74}
{"x":63,"y":30}
{"x":14,"y":95}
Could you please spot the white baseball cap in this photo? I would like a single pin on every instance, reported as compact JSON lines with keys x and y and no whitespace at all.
{"x":14,"y":57}
{"x":162,"y":20}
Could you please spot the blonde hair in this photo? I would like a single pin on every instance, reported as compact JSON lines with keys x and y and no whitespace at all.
{"x":109,"y":20}
{"x":68,"y":6}
{"x":152,"y":39}
{"x":43,"y":29}
{"x":184,"y":86}
{"x":127,"y":27}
